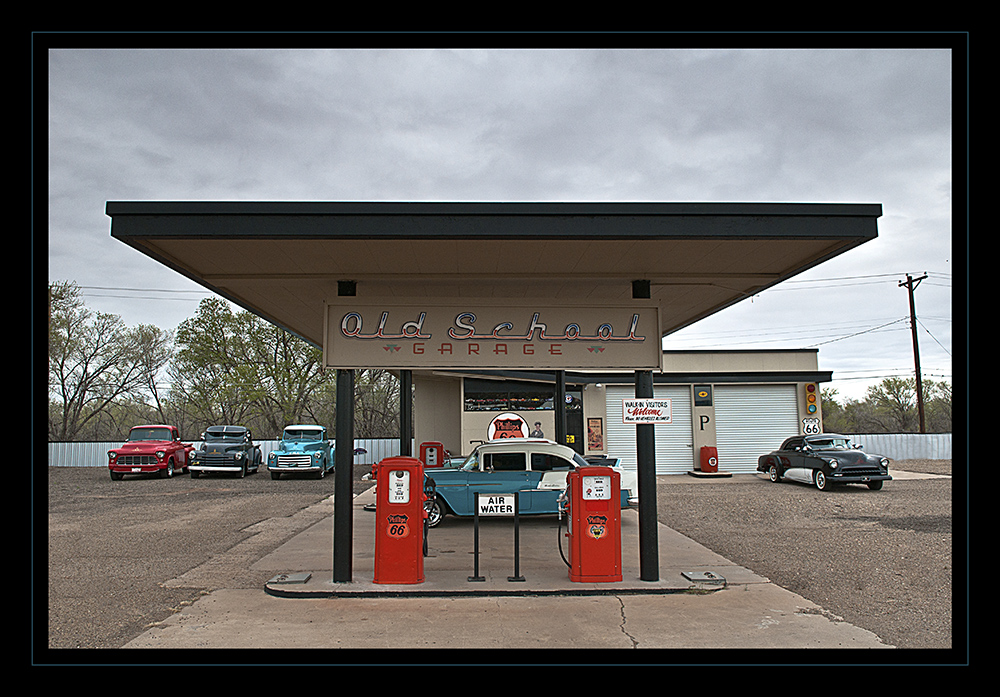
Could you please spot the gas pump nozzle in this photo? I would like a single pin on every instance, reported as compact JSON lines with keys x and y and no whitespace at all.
{"x":561,"y":502}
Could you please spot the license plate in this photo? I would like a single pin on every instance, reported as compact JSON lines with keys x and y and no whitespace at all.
{"x":137,"y":469}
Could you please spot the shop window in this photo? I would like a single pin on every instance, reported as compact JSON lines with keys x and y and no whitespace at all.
{"x":494,"y":395}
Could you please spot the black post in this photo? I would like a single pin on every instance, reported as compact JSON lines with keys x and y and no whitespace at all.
{"x":406,"y":412}
{"x":560,"y":407}
{"x":343,"y":495}
{"x":517,"y":541}
{"x":475,"y":526}
{"x":645,"y":441}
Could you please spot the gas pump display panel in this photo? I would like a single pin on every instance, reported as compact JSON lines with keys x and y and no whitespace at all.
{"x":535,"y":468}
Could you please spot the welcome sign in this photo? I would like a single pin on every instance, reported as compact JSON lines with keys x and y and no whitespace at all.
{"x":505,"y":333}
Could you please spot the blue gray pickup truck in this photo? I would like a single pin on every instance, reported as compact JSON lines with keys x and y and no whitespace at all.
{"x":304,"y":449}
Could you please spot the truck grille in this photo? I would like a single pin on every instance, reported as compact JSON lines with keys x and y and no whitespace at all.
{"x":136,"y":460}
{"x":216,"y":459}
{"x":294,"y":460}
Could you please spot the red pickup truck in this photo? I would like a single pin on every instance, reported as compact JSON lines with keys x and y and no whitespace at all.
{"x":153,"y":448}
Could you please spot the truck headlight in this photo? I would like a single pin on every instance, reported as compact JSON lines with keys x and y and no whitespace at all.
{"x":160,"y":454}
{"x":111,"y":455}
{"x":239,"y":456}
{"x":317,"y":455}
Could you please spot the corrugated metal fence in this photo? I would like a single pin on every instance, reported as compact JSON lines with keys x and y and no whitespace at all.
{"x":93,"y":454}
{"x":906,"y":446}
{"x":895,"y":446}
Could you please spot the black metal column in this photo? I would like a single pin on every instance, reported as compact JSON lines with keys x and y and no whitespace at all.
{"x":645,"y":441}
{"x":343,"y":494}
{"x":406,"y":412}
{"x":560,"y":407}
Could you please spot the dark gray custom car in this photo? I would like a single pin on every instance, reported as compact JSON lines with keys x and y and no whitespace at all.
{"x":824,"y":459}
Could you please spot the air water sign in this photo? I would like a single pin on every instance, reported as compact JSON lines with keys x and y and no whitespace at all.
{"x":646,"y":411}
{"x":505,"y":333}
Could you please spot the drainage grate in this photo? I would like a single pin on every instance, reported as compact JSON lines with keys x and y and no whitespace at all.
{"x":703,"y":576}
{"x":291,"y":578}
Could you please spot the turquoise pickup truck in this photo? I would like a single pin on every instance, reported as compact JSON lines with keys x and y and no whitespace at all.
{"x":304,"y":449}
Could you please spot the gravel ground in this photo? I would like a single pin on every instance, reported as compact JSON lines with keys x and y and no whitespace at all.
{"x":882,"y":560}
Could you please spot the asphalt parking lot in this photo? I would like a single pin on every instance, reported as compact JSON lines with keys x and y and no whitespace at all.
{"x":882,"y":560}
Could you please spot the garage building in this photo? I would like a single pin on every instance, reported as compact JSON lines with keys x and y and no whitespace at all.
{"x":742,"y":403}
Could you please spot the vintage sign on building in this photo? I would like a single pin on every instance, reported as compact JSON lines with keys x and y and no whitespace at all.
{"x":491,"y":333}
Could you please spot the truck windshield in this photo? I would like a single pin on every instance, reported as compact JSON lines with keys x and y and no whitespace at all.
{"x":303,"y":435}
{"x":149,"y":434}
{"x":232,"y":436}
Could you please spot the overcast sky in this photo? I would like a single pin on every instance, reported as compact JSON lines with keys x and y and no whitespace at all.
{"x":842,"y":125}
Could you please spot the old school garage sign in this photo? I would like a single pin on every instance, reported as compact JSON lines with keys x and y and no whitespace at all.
{"x":507,"y":333}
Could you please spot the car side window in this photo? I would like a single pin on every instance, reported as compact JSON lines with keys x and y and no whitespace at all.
{"x":545,"y":462}
{"x":505,"y":462}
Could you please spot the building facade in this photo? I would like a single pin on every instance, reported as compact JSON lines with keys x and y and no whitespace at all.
{"x":741,"y":403}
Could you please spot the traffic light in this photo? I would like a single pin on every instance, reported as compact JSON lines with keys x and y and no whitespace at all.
{"x":812,"y":398}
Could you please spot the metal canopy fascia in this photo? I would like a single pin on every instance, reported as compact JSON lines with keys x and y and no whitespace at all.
{"x":282,"y":260}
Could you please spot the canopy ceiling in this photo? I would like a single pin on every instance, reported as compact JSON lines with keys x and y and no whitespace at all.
{"x":284,"y":260}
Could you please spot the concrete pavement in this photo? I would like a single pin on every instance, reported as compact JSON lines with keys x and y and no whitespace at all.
{"x":700,"y":601}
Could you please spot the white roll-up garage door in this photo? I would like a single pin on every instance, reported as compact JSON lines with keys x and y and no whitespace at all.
{"x":752,"y":420}
{"x":674,"y":449}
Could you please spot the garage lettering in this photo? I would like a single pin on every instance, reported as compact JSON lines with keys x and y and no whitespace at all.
{"x":465,"y":330}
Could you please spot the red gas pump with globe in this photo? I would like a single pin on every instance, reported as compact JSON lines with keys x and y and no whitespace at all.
{"x":432,"y":454}
{"x":594,"y":533}
{"x":399,"y":521}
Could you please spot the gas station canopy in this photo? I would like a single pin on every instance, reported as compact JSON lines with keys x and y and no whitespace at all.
{"x":285,"y":260}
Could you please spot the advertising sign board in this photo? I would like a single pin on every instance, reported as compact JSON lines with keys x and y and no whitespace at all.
{"x":646,"y":411}
{"x":490,"y":333}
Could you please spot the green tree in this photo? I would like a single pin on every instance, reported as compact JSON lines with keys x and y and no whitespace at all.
{"x":212,"y":377}
{"x":890,"y":407}
{"x":95,"y":361}
{"x":290,"y":372}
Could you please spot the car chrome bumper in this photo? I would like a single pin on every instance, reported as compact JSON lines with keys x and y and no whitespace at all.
{"x":215,"y":468}
{"x":859,"y":478}
{"x":294,"y":468}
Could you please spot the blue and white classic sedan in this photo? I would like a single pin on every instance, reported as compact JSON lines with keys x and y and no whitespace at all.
{"x":534,"y":468}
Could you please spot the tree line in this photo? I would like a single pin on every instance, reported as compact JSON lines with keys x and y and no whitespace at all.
{"x":217,"y":367}
{"x":226,"y":367}
{"x":889,"y":407}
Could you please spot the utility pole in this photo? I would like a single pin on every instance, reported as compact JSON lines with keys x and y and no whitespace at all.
{"x":911,"y":285}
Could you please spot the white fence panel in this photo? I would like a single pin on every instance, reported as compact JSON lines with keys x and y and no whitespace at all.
{"x":95,"y":454}
{"x":906,"y":446}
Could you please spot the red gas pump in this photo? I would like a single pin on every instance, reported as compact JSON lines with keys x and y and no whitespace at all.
{"x":399,"y":521}
{"x":432,"y":454}
{"x":595,"y":529}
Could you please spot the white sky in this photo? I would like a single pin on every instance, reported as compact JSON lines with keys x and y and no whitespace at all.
{"x":841,"y":125}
